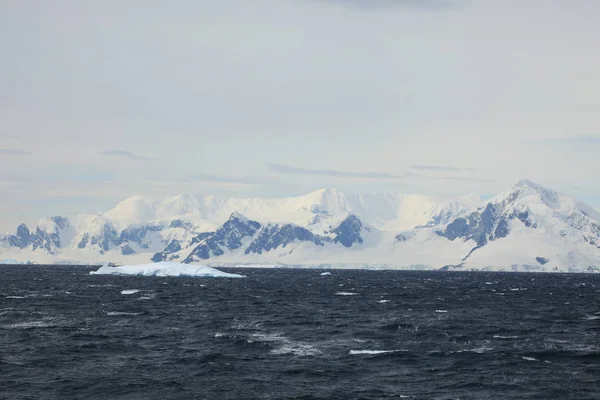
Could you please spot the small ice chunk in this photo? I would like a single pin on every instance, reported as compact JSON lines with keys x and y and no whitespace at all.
{"x":325,"y":273}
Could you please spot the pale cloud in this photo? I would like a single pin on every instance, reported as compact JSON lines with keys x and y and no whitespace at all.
{"x":443,"y":168}
{"x":123,"y":153}
{"x":246,"y":180}
{"x":371,"y":89}
{"x":286,"y":169}
{"x":376,"y":4}
{"x":14,"y":152}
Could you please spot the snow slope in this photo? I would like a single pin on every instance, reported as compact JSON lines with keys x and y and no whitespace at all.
{"x":383,"y":210}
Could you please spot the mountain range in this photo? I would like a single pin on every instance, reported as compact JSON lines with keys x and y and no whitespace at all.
{"x":525,"y":228}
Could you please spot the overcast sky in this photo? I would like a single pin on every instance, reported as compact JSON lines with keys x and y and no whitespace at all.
{"x":101,"y":100}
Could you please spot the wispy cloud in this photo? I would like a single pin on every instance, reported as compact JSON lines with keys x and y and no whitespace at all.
{"x":124,"y":154}
{"x":14,"y":152}
{"x":582,"y":140}
{"x":446,"y":178}
{"x":288,"y":170}
{"x":371,"y":4}
{"x":440,"y":168}
{"x":459,"y":178}
{"x":246,"y":180}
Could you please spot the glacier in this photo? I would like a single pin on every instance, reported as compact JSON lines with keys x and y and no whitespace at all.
{"x":527,"y":227}
{"x":165,"y":269}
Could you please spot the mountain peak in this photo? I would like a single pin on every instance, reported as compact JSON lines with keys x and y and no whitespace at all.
{"x":529,"y":184}
{"x":239,"y":216}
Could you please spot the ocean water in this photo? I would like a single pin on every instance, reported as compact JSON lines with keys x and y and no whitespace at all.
{"x":294,"y":334}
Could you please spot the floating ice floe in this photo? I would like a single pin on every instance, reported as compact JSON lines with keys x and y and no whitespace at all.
{"x":165,"y":269}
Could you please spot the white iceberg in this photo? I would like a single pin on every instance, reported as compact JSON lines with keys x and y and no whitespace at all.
{"x":165,"y":269}
{"x":325,"y":273}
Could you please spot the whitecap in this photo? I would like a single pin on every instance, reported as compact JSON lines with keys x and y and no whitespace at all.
{"x":297,"y":349}
{"x":529,"y":358}
{"x":383,"y":301}
{"x":478,"y":350}
{"x":346,"y":294}
{"x":505,"y":337}
{"x":441,"y":311}
{"x":130,"y":291}
{"x":120,"y":313}
{"x":287,"y":346}
{"x":325,"y":273}
{"x":31,"y":324}
{"x":372,"y":352}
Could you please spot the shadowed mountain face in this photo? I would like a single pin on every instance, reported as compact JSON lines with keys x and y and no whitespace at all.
{"x":241,"y":233}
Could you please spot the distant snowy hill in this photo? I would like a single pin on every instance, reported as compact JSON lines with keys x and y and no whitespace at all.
{"x":527,"y":227}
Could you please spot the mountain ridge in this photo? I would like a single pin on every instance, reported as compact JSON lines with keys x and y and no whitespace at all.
{"x":329,"y":226}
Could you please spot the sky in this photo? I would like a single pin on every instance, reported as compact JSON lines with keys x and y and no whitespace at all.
{"x":102,"y":100}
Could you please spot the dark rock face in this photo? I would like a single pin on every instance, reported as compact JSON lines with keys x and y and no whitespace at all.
{"x":524,"y":217}
{"x":201,"y":237}
{"x":459,"y":228}
{"x":137,"y":234}
{"x":274,"y":236}
{"x":106,"y":238}
{"x":21,"y":239}
{"x":126,"y":249}
{"x":84,"y":240}
{"x":173,"y":247}
{"x":403,"y":237}
{"x":542,"y":260}
{"x":61,"y":222}
{"x":484,"y":226}
{"x":228,"y":237}
{"x":180,"y":224}
{"x":235,"y":233}
{"x":46,"y":241}
{"x":349,"y":232}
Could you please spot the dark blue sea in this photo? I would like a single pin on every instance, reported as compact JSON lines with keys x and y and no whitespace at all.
{"x":294,"y":334}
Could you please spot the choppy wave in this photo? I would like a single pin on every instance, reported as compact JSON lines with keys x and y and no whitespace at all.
{"x":283,"y":333}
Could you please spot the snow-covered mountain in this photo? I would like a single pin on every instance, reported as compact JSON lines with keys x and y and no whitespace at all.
{"x":527,"y":227}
